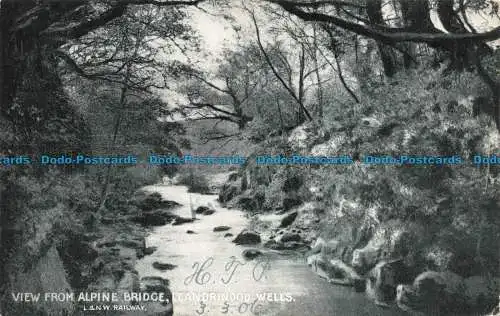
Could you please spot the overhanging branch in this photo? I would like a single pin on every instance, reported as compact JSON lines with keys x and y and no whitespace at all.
{"x":387,"y":35}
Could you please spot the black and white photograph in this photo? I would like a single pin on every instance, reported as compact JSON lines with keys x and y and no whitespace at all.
{"x":249,"y":157}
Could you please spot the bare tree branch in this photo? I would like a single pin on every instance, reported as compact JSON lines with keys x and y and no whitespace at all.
{"x":71,"y":31}
{"x":316,"y":4}
{"x":385,"y":35}
{"x":161,"y":3}
{"x":273,"y":69}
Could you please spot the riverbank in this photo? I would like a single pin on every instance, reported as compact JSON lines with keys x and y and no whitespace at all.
{"x":211,"y":273}
{"x":113,"y":251}
{"x":403,"y":263}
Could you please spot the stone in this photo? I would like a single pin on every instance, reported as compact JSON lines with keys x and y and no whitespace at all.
{"x":288,"y":219}
{"x":290,"y":237}
{"x":295,"y":245}
{"x":163,"y":266}
{"x":233,"y":176}
{"x":251,"y":253}
{"x":208,"y":212}
{"x":393,"y":239}
{"x":247,"y":237}
{"x":344,"y":273}
{"x":432,"y":293}
{"x":335,"y":271}
{"x":182,"y":220}
{"x":151,"y":201}
{"x":228,"y":235}
{"x":383,"y":279}
{"x":149,"y":250}
{"x":273,"y":244}
{"x":155,"y":218}
{"x":154,"y":284}
{"x":228,"y":192}
{"x":201,"y":209}
{"x":247,"y":203}
{"x":190,"y":232}
{"x":221,"y":228}
{"x":319,"y":265}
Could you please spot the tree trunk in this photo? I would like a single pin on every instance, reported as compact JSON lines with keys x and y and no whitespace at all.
{"x":319,"y":105}
{"x":387,"y":55}
{"x":459,"y":51}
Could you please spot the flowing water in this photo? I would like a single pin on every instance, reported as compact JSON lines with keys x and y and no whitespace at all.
{"x":212,"y":278}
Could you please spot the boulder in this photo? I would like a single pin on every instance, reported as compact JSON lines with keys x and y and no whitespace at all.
{"x":204,"y":210}
{"x":208,"y":212}
{"x":433,"y":293}
{"x":335,"y":271}
{"x":273,"y":244}
{"x":290,"y":237}
{"x":154,"y":284}
{"x":393,"y":239}
{"x":163,"y":266}
{"x":201,"y":209}
{"x":383,"y":279}
{"x":251,"y":253}
{"x":295,"y":245}
{"x":221,"y":228}
{"x":149,"y":250}
{"x":151,"y":201}
{"x":366,"y":258}
{"x":154,"y":218}
{"x":288,"y":219}
{"x":228,"y":192}
{"x":233,"y":176}
{"x":228,"y":235}
{"x":182,"y":220}
{"x":190,"y":232}
{"x":289,"y":245}
{"x":345,"y":275}
{"x":252,"y":200}
{"x":247,"y":237}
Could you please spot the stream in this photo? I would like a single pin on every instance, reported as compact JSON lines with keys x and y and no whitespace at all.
{"x":212,"y":278}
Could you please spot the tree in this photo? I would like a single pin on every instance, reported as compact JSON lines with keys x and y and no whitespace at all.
{"x":34,"y":36}
{"x":224,"y":95}
{"x":26,"y":25}
{"x":462,"y":46}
